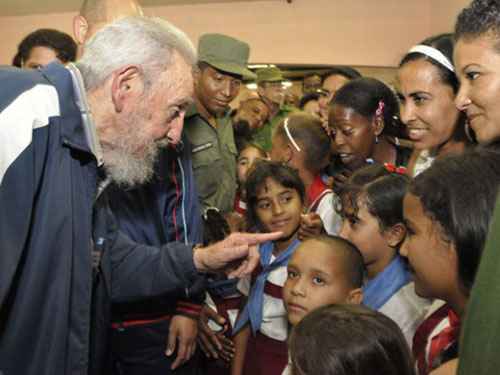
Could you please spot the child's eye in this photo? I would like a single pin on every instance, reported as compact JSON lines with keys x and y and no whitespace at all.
{"x":318,"y":280}
{"x":292,"y":274}
{"x":353,"y":221}
{"x":471,"y":76}
{"x":263,"y":205}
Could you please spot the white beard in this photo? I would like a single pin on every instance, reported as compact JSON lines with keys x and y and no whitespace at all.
{"x":124,"y":164}
{"x":127,"y":169}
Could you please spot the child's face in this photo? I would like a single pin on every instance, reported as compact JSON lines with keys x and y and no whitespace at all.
{"x":278,"y":208}
{"x":316,"y":278}
{"x":246,"y":159}
{"x":363,"y":230}
{"x":432,"y":258}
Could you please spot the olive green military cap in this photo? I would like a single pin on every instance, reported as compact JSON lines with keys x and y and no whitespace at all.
{"x":225,"y":53}
{"x":271,"y":74}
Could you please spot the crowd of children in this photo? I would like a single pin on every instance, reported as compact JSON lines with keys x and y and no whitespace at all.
{"x":381,"y":281}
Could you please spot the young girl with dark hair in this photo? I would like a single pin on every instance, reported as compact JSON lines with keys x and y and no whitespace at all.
{"x":427,"y":86}
{"x":301,"y":142}
{"x":348,"y":340}
{"x":447,"y":212}
{"x":372,"y":206}
{"x":275,"y":196}
{"x":363,"y":114}
{"x":248,"y":154}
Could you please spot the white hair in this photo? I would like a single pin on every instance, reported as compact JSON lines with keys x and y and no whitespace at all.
{"x":139,"y":40}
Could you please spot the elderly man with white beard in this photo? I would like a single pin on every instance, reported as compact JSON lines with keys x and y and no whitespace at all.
{"x":65,"y":133}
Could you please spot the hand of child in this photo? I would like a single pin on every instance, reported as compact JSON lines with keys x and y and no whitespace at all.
{"x":214,"y":344}
{"x":182,"y":335}
{"x":310,"y":225}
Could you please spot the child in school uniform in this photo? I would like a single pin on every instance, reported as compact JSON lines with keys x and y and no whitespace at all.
{"x":275,"y":196}
{"x":301,"y":142}
{"x":447,"y":211}
{"x":323,"y":270}
{"x":372,"y":209}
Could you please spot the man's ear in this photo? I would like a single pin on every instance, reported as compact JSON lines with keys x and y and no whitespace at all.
{"x":395,"y":235}
{"x":260,"y":90}
{"x":80,"y":29}
{"x":355,"y":296}
{"x":127,"y":82}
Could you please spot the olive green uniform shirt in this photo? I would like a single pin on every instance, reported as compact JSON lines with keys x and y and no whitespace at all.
{"x":480,"y":343}
{"x":214,"y":160}
{"x":263,"y":136}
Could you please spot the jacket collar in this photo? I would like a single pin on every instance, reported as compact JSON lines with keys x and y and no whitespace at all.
{"x":79,"y":130}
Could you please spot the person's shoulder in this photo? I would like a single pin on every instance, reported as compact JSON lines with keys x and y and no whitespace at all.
{"x":29,"y":96}
{"x":18,"y":83}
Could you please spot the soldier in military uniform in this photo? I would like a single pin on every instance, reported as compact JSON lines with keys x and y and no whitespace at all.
{"x":221,"y":68}
{"x":271,"y":91}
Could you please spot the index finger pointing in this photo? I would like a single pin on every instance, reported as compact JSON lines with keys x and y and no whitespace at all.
{"x":257,"y":238}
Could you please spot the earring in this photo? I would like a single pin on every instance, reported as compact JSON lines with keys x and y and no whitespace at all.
{"x":376,"y":139}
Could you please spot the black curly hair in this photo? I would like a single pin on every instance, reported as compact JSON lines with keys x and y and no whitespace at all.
{"x":62,"y":44}
{"x":479,"y":18}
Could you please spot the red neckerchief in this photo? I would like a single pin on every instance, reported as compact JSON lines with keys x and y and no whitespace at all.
{"x":439,"y":343}
{"x":239,"y":205}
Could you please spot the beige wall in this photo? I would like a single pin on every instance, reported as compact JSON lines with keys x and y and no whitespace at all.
{"x":444,"y":13}
{"x":357,"y":32}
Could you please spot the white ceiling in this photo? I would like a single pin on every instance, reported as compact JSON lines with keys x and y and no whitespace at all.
{"x":25,"y":7}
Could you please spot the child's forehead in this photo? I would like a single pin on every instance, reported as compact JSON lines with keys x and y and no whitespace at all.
{"x":251,"y":151}
{"x":353,"y":201}
{"x":320,"y":252}
{"x":270,"y":186}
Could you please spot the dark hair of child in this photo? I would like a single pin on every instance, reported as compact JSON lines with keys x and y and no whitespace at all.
{"x":383,"y":192}
{"x":363,"y":95}
{"x":62,"y":44}
{"x":215,"y":226}
{"x":310,"y":135}
{"x":353,"y":264}
{"x":459,"y":192}
{"x":262,"y":170}
{"x":348,"y":340}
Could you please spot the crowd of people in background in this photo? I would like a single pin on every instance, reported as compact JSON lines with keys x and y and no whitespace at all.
{"x":160,"y":228}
